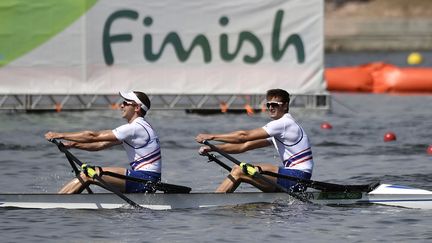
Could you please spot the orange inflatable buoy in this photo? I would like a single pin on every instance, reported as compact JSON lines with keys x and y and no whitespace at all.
{"x":58,"y":107}
{"x":223,"y":107}
{"x":326,"y":125}
{"x":249,"y":110}
{"x":389,"y":136}
{"x":429,"y":149}
{"x":379,"y":77}
{"x":114,"y":106}
{"x":354,"y":79}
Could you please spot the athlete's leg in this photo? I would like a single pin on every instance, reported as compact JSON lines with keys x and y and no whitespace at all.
{"x":77,"y":185}
{"x":237,"y":176}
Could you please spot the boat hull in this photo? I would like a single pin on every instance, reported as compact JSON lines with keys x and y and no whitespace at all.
{"x":156,"y":201}
{"x":383,"y":194}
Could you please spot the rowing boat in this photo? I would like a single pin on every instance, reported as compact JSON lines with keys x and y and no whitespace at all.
{"x":179,"y":197}
{"x":384,"y":194}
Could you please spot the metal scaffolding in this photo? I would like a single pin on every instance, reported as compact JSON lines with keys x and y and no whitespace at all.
{"x":191,"y":102}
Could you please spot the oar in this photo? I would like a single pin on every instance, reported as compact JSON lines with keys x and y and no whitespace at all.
{"x":319,"y":185}
{"x":94,"y":175}
{"x":77,"y":173}
{"x":213,"y":158}
{"x":250,"y":169}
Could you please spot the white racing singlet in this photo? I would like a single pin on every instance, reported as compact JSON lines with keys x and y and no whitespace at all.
{"x":291,"y":142}
{"x":141,"y":144}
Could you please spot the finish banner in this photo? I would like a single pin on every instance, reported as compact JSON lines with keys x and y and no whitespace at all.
{"x":161,"y":46}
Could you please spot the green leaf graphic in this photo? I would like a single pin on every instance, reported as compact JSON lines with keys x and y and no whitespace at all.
{"x":26,"y":24}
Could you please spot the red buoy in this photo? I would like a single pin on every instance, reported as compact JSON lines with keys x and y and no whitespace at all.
{"x":326,"y":125}
{"x":389,"y":136}
{"x":429,"y":149}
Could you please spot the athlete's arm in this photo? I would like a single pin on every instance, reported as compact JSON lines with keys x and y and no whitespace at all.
{"x":95,"y":146}
{"x":235,"y":148}
{"x":235,"y":137}
{"x":84,"y":136}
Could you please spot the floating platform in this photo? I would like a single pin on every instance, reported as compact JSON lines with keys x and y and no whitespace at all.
{"x":193,"y":103}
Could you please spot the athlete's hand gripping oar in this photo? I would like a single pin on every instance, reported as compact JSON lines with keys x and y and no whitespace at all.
{"x":92,"y":173}
{"x":77,"y":174}
{"x":250,"y":170}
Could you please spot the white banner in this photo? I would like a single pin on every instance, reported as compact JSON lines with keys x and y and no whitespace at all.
{"x":174,"y":47}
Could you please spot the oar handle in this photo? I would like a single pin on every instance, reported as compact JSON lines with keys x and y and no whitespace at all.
{"x":53,"y":140}
{"x":214,"y":148}
{"x":213,"y":158}
{"x":60,"y":145}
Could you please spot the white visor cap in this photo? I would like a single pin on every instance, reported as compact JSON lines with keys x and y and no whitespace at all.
{"x":132,"y":96}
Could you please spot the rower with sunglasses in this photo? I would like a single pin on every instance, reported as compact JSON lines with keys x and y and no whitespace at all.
{"x":288,"y":137}
{"x":137,"y":138}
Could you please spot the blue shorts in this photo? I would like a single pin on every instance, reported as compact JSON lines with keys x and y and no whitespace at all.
{"x":134,"y":187}
{"x":293,"y":185}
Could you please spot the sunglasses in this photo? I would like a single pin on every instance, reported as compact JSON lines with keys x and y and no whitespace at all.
{"x":126,"y":103}
{"x":274,"y":104}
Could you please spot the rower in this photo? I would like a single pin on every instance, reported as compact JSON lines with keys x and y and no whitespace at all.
{"x":138,"y":139}
{"x":289,"y":139}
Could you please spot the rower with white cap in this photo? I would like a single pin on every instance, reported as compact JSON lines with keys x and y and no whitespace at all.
{"x":138,"y":139}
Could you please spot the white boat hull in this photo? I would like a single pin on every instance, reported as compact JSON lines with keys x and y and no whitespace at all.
{"x":384,"y":194}
{"x":401,"y":196}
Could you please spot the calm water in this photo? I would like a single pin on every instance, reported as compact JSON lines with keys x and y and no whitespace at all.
{"x":352,"y":152}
